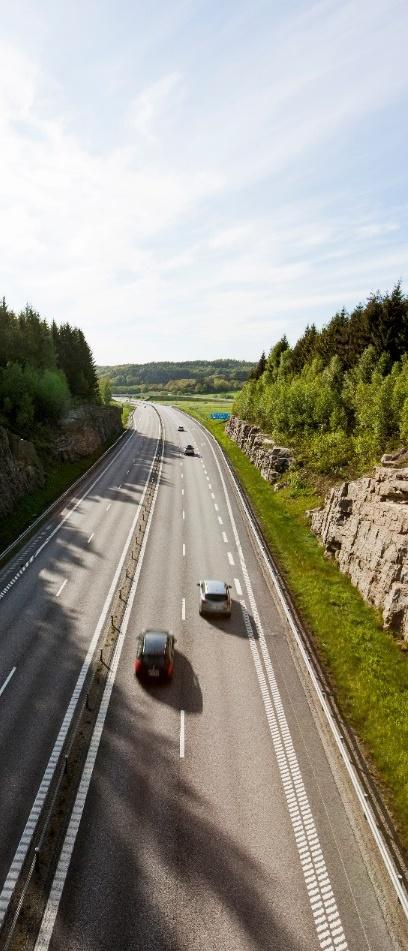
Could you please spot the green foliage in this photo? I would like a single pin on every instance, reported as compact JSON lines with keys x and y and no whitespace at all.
{"x":105,"y":390}
{"x":195,"y":376}
{"x":41,"y":367}
{"x":337,"y":397}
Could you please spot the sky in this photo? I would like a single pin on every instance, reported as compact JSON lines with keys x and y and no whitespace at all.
{"x":193,"y":179}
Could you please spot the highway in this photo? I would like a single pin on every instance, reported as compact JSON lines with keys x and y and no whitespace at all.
{"x":214,"y":815}
{"x":49,"y":614}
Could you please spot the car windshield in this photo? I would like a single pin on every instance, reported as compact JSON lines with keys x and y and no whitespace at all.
{"x":215,"y":597}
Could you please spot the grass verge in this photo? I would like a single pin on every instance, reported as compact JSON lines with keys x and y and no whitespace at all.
{"x":58,"y":478}
{"x":367,"y":670}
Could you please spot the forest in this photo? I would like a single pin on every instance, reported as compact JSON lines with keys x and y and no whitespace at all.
{"x":195,"y":376}
{"x":43,"y":369}
{"x":339,"y":396}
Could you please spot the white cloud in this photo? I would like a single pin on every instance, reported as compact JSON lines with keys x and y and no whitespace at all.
{"x":211,"y":205}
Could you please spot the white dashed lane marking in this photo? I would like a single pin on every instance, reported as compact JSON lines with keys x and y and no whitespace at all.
{"x":108,"y":506}
{"x":7,"y":680}
{"x":230,"y":558}
{"x":220,"y":520}
{"x":224,"y":537}
{"x":90,"y":538}
{"x":183,"y":609}
{"x":184,"y":514}
{"x":216,"y":506}
{"x":182,"y":734}
{"x":184,"y":550}
{"x":61,"y":587}
{"x":238,"y":587}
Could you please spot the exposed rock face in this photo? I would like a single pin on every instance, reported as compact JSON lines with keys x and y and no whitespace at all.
{"x":364,"y":524}
{"x":270,"y":459}
{"x":20,"y":469}
{"x":85,"y":429}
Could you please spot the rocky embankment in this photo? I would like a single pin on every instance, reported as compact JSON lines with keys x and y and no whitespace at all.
{"x":270,"y":459}
{"x":20,"y":469}
{"x":82,"y":432}
{"x":364,"y":524}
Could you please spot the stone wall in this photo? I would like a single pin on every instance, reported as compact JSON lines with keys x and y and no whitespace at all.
{"x":364,"y":524}
{"x":270,"y":459}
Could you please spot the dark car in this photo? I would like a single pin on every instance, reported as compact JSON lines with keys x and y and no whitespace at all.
{"x":155,"y":655}
{"x":189,"y":450}
{"x":180,"y":429}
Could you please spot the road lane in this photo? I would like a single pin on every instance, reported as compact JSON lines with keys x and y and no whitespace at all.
{"x":47,"y":621}
{"x":202,"y":851}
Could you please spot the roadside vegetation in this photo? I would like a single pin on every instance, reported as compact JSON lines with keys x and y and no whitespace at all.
{"x":365,"y":665}
{"x":175,"y":380}
{"x":43,"y":369}
{"x":59,"y":477}
{"x":339,"y":397}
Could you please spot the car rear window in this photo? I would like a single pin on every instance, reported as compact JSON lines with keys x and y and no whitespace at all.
{"x":215,"y":597}
{"x":154,"y":644}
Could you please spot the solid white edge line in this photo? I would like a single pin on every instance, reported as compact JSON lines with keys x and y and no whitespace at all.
{"x":358,"y":789}
{"x":7,"y":680}
{"x":61,"y":523}
{"x":182,"y":734}
{"x":300,"y":812}
{"x":51,"y":910}
{"x":30,"y":826}
{"x":61,"y":587}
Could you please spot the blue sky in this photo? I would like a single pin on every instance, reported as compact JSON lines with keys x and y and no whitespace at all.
{"x":194,"y":179}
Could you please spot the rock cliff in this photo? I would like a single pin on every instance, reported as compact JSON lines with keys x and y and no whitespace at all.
{"x":85,"y":429}
{"x":270,"y":459}
{"x":364,"y":524}
{"x":82,"y":432}
{"x":20,"y":469}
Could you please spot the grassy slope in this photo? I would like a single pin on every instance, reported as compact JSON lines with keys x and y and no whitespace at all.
{"x":58,"y":478}
{"x":366,"y":667}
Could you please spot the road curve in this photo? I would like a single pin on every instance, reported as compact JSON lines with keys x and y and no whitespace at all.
{"x":213,"y":819}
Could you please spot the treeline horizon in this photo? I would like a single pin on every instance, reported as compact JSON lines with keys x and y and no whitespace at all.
{"x":339,"y":396}
{"x":43,"y":369}
{"x":188,"y":376}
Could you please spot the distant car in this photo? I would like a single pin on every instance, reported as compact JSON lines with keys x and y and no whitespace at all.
{"x":215,"y":598}
{"x":180,"y":429}
{"x":155,"y":655}
{"x":189,"y":450}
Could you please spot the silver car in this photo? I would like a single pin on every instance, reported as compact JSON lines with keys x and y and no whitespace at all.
{"x":215,"y":597}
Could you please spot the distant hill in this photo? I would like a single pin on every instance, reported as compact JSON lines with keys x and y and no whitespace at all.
{"x":196,"y":376}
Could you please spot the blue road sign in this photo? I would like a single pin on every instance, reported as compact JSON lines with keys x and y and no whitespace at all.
{"x":220,"y":415}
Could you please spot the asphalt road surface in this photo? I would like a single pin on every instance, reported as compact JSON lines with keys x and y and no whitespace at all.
{"x":213,"y":819}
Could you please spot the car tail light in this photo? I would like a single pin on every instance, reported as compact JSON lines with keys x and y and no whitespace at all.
{"x":138,"y":665}
{"x":170,"y":670}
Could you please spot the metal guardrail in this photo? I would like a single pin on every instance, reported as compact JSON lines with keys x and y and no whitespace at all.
{"x":28,"y":532}
{"x":35,"y":861}
{"x":368,"y":795}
